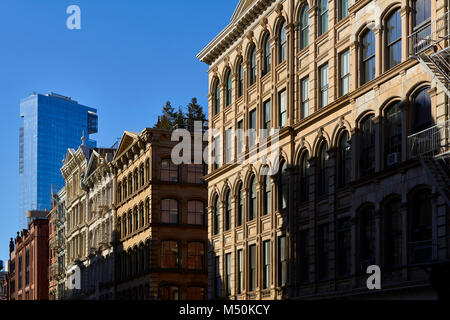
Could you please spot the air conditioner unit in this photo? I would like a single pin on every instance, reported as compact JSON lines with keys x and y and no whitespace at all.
{"x":393,"y":158}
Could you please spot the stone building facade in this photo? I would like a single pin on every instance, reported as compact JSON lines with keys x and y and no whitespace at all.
{"x":86,"y":219}
{"x":355,"y":105}
{"x":160,"y":221}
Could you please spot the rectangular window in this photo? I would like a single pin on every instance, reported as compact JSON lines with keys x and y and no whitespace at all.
{"x":217,"y":279}
{"x":169,"y":211}
{"x":169,"y":255}
{"x":304,"y":103}
{"x":252,"y":128}
{"x":196,"y":212}
{"x":266,"y":264}
{"x":323,"y":79}
{"x":267,"y":117}
{"x":240,"y":137}
{"x":303,"y":255}
{"x":322,"y":255}
{"x":169,"y":172}
{"x":228,"y":145}
{"x":343,"y":9}
{"x":282,"y":261}
{"x":20,"y":273}
{"x":344,"y":247}
{"x":323,"y":16}
{"x":27,"y":267}
{"x":228,"y":273}
{"x":217,"y":152}
{"x":240,"y":271}
{"x":344,"y":73}
{"x":252,"y":268}
{"x":282,"y":100}
{"x":196,"y":256}
{"x":196,"y":173}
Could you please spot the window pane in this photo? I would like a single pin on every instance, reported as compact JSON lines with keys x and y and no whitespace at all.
{"x":305,"y":97}
{"x":283,"y":108}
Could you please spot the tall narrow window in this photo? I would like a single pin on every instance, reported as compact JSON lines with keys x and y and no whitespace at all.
{"x":240,"y":137}
{"x":421,"y":233}
{"x":322,"y":254}
{"x":240,"y":271}
{"x":344,"y":72}
{"x":169,"y":255}
{"x":304,"y":178}
{"x":421,"y":111}
{"x":252,"y":128}
{"x":267,"y":56}
{"x":367,"y":238}
{"x":142,"y":174}
{"x":394,"y":40}
{"x":217,"y":278}
{"x":323,"y":177}
{"x":267,"y":118}
{"x":252,"y":268}
{"x":304,"y":27}
{"x":393,"y":134}
{"x":368,"y":57}
{"x":266,"y":264}
{"x":367,"y":147}
{"x":421,"y":12}
{"x":283,"y":185}
{"x":282,"y":100}
{"x":343,"y":9}
{"x":323,"y":79}
{"x":196,"y":213}
{"x":344,"y":237}
{"x":252,"y":77}
{"x":196,"y":256}
{"x":217,"y":151}
{"x":344,"y":160}
{"x":228,"y":275}
{"x":240,"y":73}
{"x":303,"y":255}
{"x":217,"y":97}
{"x":282,"y":43}
{"x":304,"y":103}
{"x":240,"y":206}
{"x":282,"y":261}
{"x":393,"y":233}
{"x":227,"y":211}
{"x":169,"y":211}
{"x":267,"y":195}
{"x":228,"y":145}
{"x":252,"y":200}
{"x":323,"y":16}
{"x":229,"y":89}
{"x":216,"y":215}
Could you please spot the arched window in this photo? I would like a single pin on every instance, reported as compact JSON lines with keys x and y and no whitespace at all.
{"x":130,"y":223}
{"x":267,"y":195}
{"x":124,"y":184}
{"x":216,"y":215}
{"x":304,"y":27}
{"x":304,"y":178}
{"x":393,"y":134}
{"x":216,"y":97}
{"x":142,"y":174}
{"x":240,"y":73}
{"x":282,"y":43}
{"x":130,"y":184}
{"x":367,"y":235}
{"x":252,"y":57}
{"x":119,"y":192}
{"x":367,"y":56}
{"x":227,"y":210}
{"x":196,"y":212}
{"x":344,"y":160}
{"x":125,"y":229}
{"x":421,"y":115}
{"x":323,"y":17}
{"x":142,"y":215}
{"x":136,"y":219}
{"x":394,"y":39}
{"x":267,"y":55}
{"x":283,"y":185}
{"x":136,"y":180}
{"x":367,"y":147}
{"x":323,"y":169}
{"x":169,"y":211}
{"x":393,"y":233}
{"x":229,"y":88}
{"x":119,"y":224}
{"x":240,"y":205}
{"x":147,"y":170}
{"x":420,"y":233}
{"x":147,"y":210}
{"x":252,"y":199}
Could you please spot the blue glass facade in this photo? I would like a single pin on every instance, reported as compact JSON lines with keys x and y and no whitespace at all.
{"x":51,"y":124}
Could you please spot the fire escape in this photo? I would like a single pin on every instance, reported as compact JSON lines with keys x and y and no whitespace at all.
{"x":430,"y":45}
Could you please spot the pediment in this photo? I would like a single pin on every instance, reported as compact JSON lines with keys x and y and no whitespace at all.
{"x":240,"y":9}
{"x":127,"y":140}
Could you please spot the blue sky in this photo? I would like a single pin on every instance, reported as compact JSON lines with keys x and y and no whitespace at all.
{"x":126,"y":61}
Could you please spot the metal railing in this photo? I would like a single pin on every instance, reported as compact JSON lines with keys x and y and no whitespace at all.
{"x":430,"y":142}
{"x":429,"y":34}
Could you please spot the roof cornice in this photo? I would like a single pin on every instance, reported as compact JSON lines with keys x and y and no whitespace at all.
{"x":233,"y":31}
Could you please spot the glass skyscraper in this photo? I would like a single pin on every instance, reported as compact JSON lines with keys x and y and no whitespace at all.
{"x":51,"y":124}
